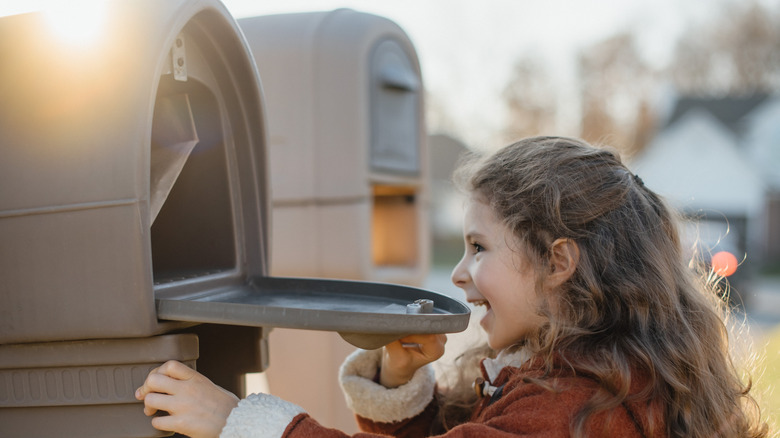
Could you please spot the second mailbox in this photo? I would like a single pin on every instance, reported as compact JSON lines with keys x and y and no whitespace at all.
{"x":345,"y":115}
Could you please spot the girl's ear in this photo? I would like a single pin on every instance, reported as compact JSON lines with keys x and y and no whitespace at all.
{"x":564,"y":257}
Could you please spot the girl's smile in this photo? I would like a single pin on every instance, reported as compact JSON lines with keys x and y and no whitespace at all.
{"x":480,"y":303}
{"x":486,"y":304}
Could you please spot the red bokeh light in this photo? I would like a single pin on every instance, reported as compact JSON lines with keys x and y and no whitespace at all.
{"x":724,"y":263}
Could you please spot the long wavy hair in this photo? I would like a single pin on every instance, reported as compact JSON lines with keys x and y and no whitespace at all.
{"x":634,"y":301}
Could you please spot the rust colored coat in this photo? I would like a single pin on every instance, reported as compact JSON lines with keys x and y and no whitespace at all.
{"x":523,"y":409}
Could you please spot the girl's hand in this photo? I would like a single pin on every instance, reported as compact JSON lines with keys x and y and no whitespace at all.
{"x":197,"y":407}
{"x":400,"y":359}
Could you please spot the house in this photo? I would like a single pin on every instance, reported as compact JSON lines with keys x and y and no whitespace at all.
{"x":718,"y":162}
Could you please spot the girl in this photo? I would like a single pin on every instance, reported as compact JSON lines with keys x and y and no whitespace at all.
{"x":599,"y":327}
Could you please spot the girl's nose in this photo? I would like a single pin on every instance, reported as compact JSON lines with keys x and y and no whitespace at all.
{"x":460,"y":274}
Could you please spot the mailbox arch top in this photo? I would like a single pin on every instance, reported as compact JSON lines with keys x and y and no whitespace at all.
{"x":83,"y":113}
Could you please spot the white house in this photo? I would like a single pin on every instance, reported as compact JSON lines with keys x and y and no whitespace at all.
{"x":697,"y":164}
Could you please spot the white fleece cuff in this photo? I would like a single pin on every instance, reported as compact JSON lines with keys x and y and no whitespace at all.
{"x":260,"y":416}
{"x":375,"y":402}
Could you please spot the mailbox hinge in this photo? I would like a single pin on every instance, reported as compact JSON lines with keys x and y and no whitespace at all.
{"x":179,"y":59}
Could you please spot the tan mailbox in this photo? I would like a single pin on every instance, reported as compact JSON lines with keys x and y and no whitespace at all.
{"x":134,"y":221}
{"x":346,"y":145}
{"x":133,"y":169}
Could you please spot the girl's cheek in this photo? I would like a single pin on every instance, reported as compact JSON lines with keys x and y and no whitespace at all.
{"x":478,"y":278}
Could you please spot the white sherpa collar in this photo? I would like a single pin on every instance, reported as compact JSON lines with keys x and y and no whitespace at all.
{"x":375,"y":402}
{"x":505,"y":358}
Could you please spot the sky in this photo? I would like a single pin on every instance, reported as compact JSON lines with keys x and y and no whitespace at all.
{"x":467,"y":47}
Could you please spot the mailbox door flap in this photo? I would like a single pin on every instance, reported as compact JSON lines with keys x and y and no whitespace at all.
{"x":365,"y":313}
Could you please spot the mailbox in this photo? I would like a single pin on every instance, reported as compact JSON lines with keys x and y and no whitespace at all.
{"x":346,"y":145}
{"x":132,"y":170}
{"x":132,"y":167}
{"x":134,"y":220}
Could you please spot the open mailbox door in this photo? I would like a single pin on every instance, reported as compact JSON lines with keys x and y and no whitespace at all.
{"x":367,"y":315}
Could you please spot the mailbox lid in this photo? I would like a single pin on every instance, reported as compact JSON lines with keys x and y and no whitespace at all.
{"x":364,"y":313}
{"x":395,"y":109}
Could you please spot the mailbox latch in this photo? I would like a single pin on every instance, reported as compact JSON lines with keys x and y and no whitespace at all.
{"x":420,"y":306}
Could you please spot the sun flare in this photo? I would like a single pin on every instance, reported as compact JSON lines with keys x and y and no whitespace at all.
{"x":76,"y":22}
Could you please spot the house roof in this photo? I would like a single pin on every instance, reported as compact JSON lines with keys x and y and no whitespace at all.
{"x":696,"y":164}
{"x":727,"y":110}
{"x":445,"y":152}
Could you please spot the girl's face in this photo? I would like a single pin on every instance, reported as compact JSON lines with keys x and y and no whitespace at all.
{"x":495,"y":274}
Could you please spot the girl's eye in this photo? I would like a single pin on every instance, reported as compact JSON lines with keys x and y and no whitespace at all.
{"x":477,"y":247}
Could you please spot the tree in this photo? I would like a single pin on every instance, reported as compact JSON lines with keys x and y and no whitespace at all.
{"x":616,"y":86}
{"x":530,"y":99}
{"x":736,"y":54}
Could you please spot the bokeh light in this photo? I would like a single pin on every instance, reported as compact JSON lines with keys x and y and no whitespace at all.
{"x":724,"y":263}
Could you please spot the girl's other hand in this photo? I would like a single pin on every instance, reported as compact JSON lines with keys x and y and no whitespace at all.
{"x":400,"y":359}
{"x":197,"y":407}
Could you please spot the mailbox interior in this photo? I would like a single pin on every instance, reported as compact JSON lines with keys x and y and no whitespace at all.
{"x":194,"y":234}
{"x":210,"y":229}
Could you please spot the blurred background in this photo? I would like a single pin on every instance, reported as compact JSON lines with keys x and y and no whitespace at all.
{"x":689,"y":92}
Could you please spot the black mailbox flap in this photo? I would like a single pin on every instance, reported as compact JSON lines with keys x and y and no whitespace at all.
{"x":366,"y":314}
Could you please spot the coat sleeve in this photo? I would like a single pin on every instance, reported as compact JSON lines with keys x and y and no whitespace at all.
{"x":260,"y":416}
{"x":372,"y":401}
{"x":382,"y":410}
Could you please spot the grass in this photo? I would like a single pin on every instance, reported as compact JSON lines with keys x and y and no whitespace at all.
{"x":767,"y":385}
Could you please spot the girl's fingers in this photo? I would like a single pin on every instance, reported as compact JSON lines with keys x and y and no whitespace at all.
{"x":424,"y":339}
{"x":176,"y":370}
{"x":158,"y":402}
{"x":400,"y":362}
{"x":144,"y":389}
{"x":195,"y":406}
{"x":397,"y":345}
{"x":430,"y":346}
{"x":167,"y":423}
{"x":156,"y":382}
{"x":165,"y":378}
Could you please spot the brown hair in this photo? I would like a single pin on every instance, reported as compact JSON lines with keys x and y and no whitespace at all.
{"x":633,"y":302}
